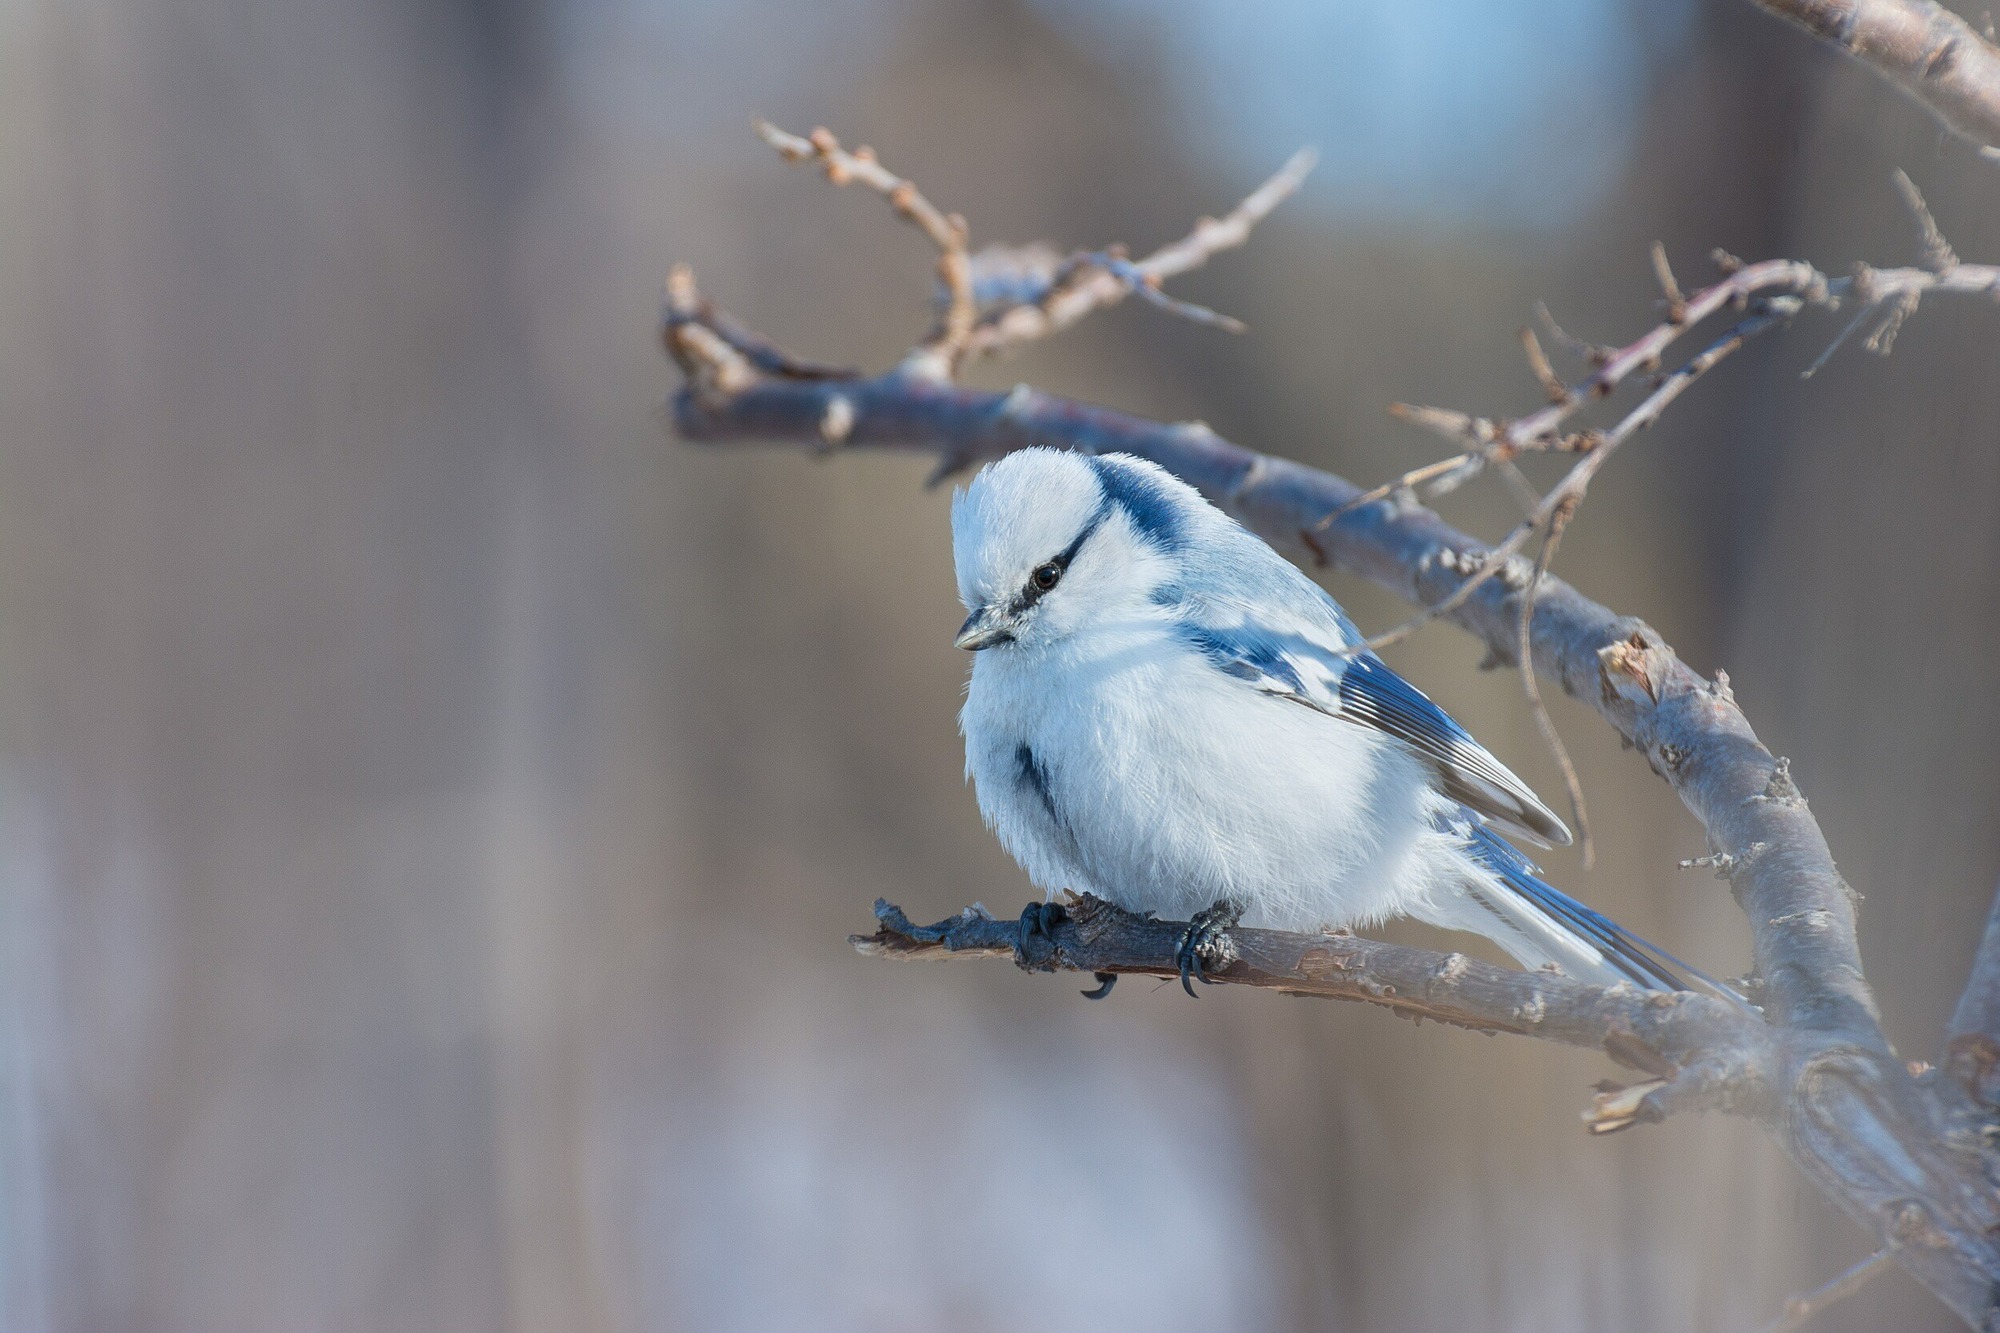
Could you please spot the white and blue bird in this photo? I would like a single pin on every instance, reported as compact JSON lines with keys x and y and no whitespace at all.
{"x":1167,"y":714}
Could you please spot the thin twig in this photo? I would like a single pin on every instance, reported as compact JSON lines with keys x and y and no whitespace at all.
{"x":1936,"y":255}
{"x":686,"y":308}
{"x":1664,"y":274}
{"x":1806,"y":1304}
{"x":1086,"y":287}
{"x":1557,"y":522}
{"x":1589,"y":353}
{"x":1888,"y":307}
{"x":1538,"y":364}
{"x":1543,"y":431}
{"x":1861,"y":316}
{"x":939,"y":353}
{"x":1407,"y":481}
{"x":1576,"y":482}
{"x":1146,"y":286}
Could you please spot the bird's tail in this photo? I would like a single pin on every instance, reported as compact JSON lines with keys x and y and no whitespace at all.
{"x":1538,"y":923}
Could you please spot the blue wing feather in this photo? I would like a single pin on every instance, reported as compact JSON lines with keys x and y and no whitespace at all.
{"x":1317,"y":660}
{"x":1372,"y":693}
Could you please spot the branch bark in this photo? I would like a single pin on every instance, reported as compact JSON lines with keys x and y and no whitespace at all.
{"x":1934,"y":56}
{"x":1699,"y":1052}
{"x":1972,"y":1041}
{"x":1904,"y":1160}
{"x":1903,"y":1151}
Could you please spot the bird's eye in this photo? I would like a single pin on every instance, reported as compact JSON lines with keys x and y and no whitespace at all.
{"x":1046,"y":576}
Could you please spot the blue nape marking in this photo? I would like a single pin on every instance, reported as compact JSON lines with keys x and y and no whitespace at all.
{"x":1154,"y":510}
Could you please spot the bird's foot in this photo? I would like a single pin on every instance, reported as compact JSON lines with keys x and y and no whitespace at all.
{"x":1039,"y":919}
{"x":1207,"y":942}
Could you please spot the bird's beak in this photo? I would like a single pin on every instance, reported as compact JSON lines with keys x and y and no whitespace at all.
{"x":982,"y":629}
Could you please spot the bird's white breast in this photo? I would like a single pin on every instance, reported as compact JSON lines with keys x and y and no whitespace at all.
{"x":1120,"y":762}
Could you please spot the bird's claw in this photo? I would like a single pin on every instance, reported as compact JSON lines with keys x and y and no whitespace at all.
{"x":1105,"y":981}
{"x":1207,"y":938}
{"x":1039,"y":919}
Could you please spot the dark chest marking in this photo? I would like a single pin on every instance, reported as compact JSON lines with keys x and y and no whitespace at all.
{"x":1036,"y":779}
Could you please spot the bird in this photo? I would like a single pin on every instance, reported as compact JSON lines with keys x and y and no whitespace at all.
{"x":1165,"y":713}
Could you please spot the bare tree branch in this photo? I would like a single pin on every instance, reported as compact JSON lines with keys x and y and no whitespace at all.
{"x":1851,"y":1115}
{"x":1870,"y":289}
{"x":1689,"y":729}
{"x":1972,"y":1039}
{"x":1596,"y":449}
{"x":1663,"y":1036}
{"x":1932,"y":54}
{"x":1904,"y":1151}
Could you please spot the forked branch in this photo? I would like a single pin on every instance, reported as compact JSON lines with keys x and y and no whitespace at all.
{"x":1905,"y":1152}
{"x":1062,"y":291}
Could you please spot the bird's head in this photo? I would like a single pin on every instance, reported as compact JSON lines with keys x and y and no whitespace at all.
{"x":1048,"y":542}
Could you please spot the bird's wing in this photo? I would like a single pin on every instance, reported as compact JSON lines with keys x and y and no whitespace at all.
{"x":1318,"y":661}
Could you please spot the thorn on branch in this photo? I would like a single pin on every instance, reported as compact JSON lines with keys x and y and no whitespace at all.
{"x":724,"y":356}
{"x":1862,"y":287}
{"x":1592,"y":354}
{"x":1780,"y":789}
{"x":837,"y":422}
{"x":1883,"y":339}
{"x":1617,"y":1107}
{"x":706,"y":358}
{"x":1538,"y":365}
{"x":1936,"y":255}
{"x":1443,"y":421}
{"x":1677,"y":308}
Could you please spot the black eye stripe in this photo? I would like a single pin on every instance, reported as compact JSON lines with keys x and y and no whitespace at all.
{"x":1062,"y":559}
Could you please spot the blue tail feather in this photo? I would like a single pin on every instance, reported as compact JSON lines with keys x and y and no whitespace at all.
{"x":1643,"y":963}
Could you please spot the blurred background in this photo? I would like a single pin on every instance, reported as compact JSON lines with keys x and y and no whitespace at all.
{"x":433,"y":801}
